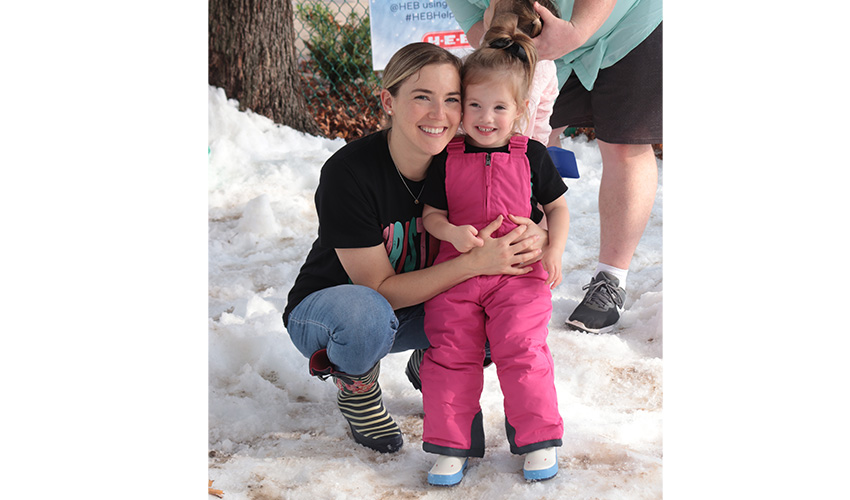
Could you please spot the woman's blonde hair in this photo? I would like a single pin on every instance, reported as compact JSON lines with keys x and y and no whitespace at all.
{"x":410,"y":59}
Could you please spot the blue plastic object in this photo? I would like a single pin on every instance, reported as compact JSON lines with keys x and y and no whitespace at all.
{"x":565,"y":161}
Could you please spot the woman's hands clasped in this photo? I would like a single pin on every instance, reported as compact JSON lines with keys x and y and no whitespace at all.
{"x":508,"y":254}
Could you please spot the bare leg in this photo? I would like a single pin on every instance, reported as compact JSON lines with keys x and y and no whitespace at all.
{"x":626,"y":196}
{"x":555,"y":137}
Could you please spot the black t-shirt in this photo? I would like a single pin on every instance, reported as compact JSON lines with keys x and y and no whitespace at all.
{"x":361,"y":202}
{"x":546,"y":183}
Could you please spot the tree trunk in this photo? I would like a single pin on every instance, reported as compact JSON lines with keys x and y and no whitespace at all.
{"x":252,"y":57}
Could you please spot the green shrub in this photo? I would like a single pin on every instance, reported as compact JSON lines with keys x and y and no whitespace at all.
{"x":341,"y":53}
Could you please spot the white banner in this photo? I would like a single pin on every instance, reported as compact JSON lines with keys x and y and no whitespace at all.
{"x":394,"y":24}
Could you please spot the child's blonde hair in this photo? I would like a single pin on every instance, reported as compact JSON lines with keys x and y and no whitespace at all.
{"x":506,"y":55}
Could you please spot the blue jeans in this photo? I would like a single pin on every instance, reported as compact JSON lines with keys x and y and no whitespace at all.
{"x":356,"y":325}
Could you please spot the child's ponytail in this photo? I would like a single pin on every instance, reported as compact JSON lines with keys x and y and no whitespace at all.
{"x":504,"y":34}
{"x":506,"y":53}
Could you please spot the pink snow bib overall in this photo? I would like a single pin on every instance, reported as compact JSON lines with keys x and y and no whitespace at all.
{"x":511,"y":311}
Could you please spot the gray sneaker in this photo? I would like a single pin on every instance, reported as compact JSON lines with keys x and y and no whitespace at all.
{"x":600,"y":309}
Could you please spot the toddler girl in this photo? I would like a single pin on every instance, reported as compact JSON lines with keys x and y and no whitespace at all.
{"x":495,"y":171}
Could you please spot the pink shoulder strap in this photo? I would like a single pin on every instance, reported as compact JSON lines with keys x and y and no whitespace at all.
{"x":518,"y":144}
{"x":456,"y":145}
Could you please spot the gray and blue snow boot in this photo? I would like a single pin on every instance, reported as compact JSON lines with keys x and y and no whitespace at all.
{"x":447,"y":471}
{"x":540,"y":465}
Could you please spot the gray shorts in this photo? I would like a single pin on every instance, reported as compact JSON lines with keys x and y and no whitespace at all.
{"x":624,"y":106}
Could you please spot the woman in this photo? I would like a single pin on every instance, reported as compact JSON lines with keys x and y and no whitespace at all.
{"x":359,"y":294}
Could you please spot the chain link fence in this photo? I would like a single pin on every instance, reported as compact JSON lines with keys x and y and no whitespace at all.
{"x":334,"y":49}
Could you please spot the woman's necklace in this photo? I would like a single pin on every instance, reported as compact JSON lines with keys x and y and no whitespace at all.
{"x":415,"y":197}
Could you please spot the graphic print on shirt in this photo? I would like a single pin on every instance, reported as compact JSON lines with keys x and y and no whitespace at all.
{"x":409,"y":246}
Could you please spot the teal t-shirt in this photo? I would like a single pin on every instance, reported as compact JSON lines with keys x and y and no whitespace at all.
{"x":629,"y":24}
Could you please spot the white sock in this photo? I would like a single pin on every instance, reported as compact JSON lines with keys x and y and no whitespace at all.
{"x":621,"y":274}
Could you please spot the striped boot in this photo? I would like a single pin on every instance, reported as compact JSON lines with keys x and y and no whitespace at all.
{"x":412,"y":370}
{"x":359,"y":400}
{"x":414,"y":363}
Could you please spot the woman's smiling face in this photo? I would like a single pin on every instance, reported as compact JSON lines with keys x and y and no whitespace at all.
{"x":426,"y":110}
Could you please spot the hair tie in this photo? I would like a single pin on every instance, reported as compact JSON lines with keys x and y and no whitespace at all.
{"x":513,"y":48}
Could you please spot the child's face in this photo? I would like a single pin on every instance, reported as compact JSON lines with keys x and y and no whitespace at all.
{"x":489,"y":113}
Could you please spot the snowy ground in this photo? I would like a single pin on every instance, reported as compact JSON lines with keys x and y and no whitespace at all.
{"x":275,"y":432}
{"x":108,"y":195}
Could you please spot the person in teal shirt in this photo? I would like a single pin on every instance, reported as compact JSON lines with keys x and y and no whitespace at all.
{"x":608,"y":56}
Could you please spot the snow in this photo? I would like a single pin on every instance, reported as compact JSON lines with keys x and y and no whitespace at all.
{"x":143,"y":279}
{"x":275,"y":431}
{"x":107,"y":341}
